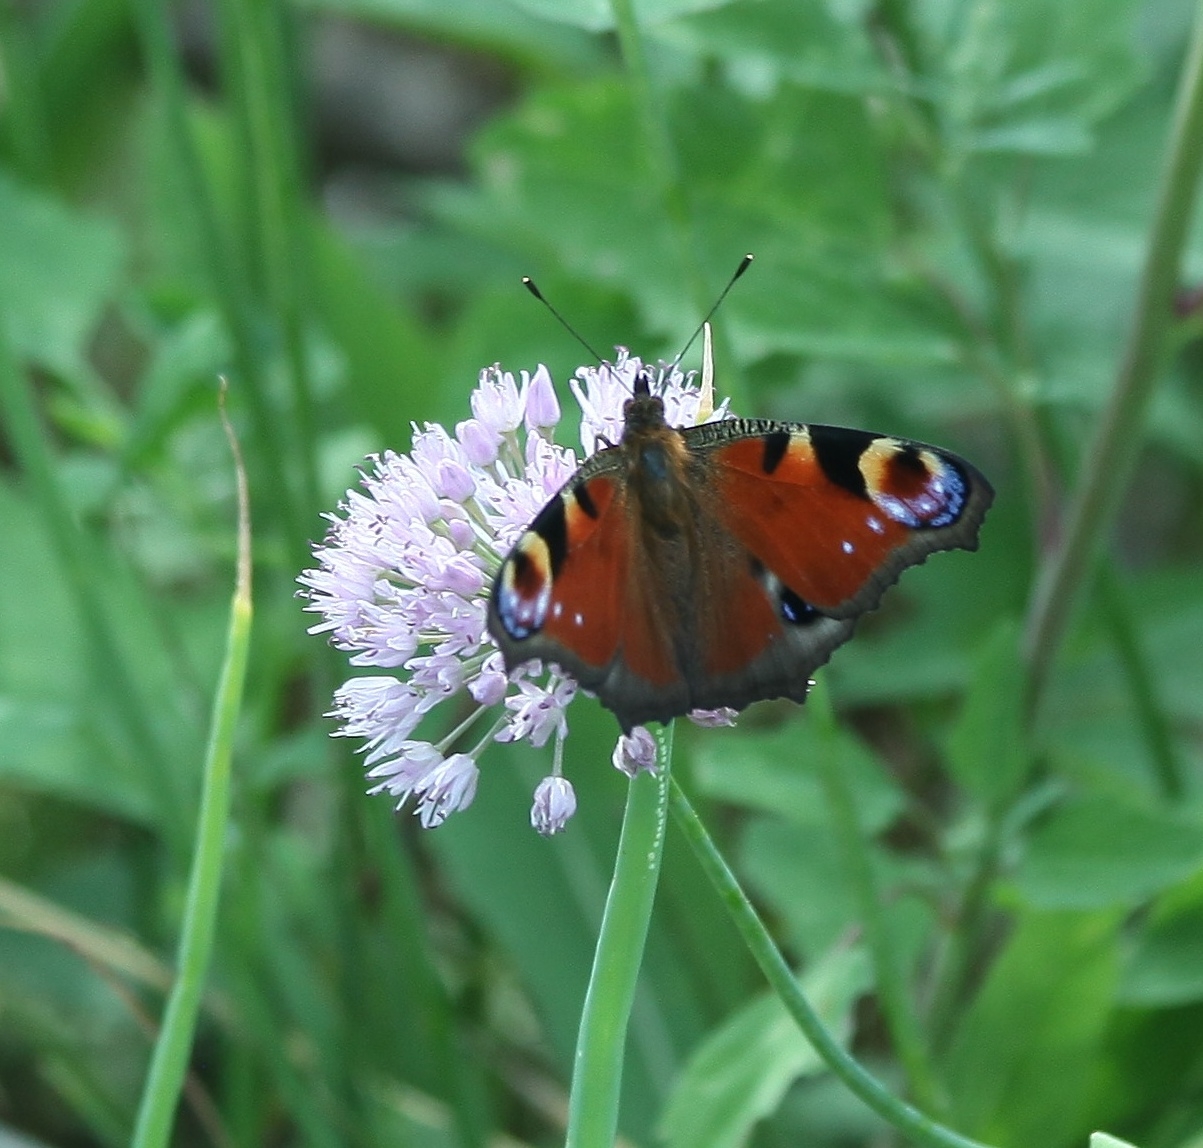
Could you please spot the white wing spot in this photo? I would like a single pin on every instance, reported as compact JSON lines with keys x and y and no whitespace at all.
{"x":875,"y":525}
{"x":847,"y":547}
{"x":557,"y":609}
{"x":579,"y":619}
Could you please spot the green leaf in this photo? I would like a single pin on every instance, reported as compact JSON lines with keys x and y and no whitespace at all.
{"x":801,"y":876}
{"x":1050,"y":136}
{"x":1026,"y":76}
{"x":920,"y":643}
{"x":1018,"y":1069}
{"x":1165,"y":965}
{"x":766,"y":42}
{"x":46,"y":747}
{"x":987,"y":752}
{"x":598,"y":15}
{"x":58,"y":268}
{"x":740,"y":1073}
{"x":564,"y":176}
{"x":776,"y":772}
{"x":389,"y":358}
{"x":48,"y":744}
{"x":1099,"y":851}
{"x":498,"y":25}
{"x":182,"y":372}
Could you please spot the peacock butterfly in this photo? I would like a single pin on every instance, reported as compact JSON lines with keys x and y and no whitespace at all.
{"x":717,"y":565}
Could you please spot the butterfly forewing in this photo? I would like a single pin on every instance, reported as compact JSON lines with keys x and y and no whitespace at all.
{"x":836,"y":514}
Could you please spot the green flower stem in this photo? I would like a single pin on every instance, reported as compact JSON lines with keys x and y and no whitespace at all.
{"x":1111,"y":457}
{"x":169,"y":1063}
{"x":891,"y":984}
{"x":601,"y":1041}
{"x":904,"y":1117}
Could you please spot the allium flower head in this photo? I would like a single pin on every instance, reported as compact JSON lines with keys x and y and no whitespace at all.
{"x":403,"y":577}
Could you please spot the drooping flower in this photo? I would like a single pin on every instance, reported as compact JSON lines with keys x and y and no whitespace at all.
{"x":402,"y":580}
{"x":635,"y":752}
{"x":554,"y":804}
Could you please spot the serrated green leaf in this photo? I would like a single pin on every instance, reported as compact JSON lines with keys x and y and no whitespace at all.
{"x":742,"y":1070}
{"x":766,"y":42}
{"x":1025,"y":76}
{"x":800,"y":175}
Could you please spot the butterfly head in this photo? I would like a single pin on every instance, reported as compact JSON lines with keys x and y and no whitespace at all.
{"x":643,"y":412}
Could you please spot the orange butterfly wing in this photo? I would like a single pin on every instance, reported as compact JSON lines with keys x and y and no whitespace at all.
{"x":570,"y":592}
{"x":837,"y":514}
{"x":815,"y":522}
{"x":755,"y":562}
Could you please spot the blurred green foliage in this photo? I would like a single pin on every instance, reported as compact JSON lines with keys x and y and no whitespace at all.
{"x":949,"y":201}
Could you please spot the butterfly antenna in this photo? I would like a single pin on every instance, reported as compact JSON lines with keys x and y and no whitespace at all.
{"x":529,"y":284}
{"x":744,"y":264}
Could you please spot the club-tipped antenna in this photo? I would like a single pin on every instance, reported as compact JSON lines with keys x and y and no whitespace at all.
{"x":529,"y":284}
{"x":744,"y":264}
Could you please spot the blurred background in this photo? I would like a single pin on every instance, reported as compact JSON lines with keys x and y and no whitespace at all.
{"x":332,"y":202}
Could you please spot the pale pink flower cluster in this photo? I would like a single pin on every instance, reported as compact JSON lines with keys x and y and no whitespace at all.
{"x":402,"y":582}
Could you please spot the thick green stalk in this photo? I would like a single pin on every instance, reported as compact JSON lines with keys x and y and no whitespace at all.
{"x":1111,"y":457}
{"x":161,"y":1093}
{"x":908,"y":1120}
{"x":601,"y":1042}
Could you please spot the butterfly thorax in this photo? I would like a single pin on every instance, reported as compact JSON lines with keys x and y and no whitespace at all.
{"x":657,"y":463}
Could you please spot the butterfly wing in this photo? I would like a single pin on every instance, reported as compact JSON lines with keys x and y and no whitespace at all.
{"x":787,"y":534}
{"x":810,"y":525}
{"x":575,"y":591}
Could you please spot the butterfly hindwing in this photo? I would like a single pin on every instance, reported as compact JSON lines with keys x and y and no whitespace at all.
{"x":566,"y":594}
{"x":755,"y":638}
